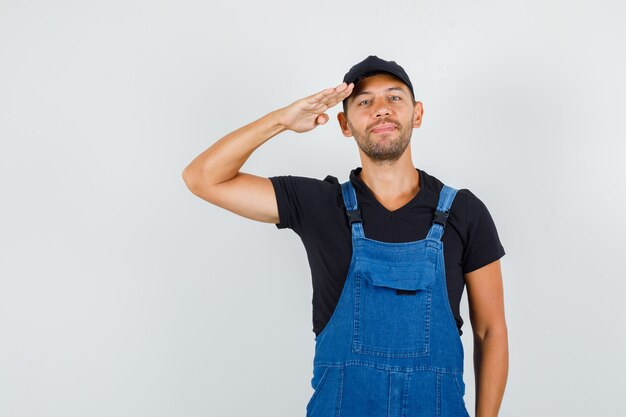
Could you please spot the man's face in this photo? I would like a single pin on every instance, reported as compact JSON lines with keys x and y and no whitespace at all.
{"x":380,"y":114}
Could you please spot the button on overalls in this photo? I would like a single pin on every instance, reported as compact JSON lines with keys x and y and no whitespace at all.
{"x":391,"y":347}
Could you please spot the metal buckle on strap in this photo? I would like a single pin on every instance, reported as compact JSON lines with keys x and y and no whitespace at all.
{"x":440,"y":217}
{"x":354,"y":216}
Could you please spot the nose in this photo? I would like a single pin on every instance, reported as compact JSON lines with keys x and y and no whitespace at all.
{"x":382,"y":108}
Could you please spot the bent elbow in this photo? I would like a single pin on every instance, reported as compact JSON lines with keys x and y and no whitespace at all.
{"x":191,"y":179}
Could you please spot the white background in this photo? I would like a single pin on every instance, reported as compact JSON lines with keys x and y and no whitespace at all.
{"x":122,"y":294}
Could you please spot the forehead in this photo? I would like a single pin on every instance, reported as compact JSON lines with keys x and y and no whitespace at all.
{"x":379,"y":82}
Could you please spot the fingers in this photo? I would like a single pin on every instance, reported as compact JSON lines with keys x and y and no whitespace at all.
{"x":331,"y":96}
{"x":321,"y":119}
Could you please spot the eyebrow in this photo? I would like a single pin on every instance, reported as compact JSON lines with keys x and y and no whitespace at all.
{"x":369,"y":92}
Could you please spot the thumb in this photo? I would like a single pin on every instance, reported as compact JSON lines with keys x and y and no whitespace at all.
{"x":321,"y":119}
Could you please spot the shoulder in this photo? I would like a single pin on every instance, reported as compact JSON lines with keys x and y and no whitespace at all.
{"x":304,"y":189}
{"x":472,"y":222}
{"x":307,"y":182}
{"x":298,"y":196}
{"x":465,"y":201}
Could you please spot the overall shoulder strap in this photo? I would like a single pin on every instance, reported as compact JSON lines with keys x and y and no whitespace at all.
{"x":446,"y":197}
{"x":352,"y":208}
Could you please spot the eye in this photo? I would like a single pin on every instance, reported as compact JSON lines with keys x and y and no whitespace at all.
{"x":395,"y":98}
{"x":364,"y":102}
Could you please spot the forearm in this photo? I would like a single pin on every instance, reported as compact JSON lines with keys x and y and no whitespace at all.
{"x":223,"y":160}
{"x":491,"y":364}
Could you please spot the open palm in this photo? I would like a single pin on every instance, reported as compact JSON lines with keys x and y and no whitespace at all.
{"x":309,"y":112}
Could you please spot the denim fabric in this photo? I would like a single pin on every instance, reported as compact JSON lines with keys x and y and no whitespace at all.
{"x":391,"y":347}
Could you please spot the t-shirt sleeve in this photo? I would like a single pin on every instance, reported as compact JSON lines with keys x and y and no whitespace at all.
{"x":296,"y":197}
{"x":483,"y":243}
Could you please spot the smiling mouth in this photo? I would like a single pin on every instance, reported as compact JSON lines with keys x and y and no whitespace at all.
{"x":383,"y":128}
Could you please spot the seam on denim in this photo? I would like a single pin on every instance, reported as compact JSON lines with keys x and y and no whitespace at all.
{"x":330,"y":364}
{"x":379,"y":352}
{"x":357,"y":343}
{"x":426,"y":241}
{"x":438,"y":395}
{"x":340,"y":394}
{"x":441,"y":270}
{"x":460,"y":397}
{"x":458,"y":388}
{"x":428,"y":314}
{"x":405,"y":397}
{"x":389,"y":394}
{"x":342,"y":297}
{"x":397,"y":368}
{"x":318,"y":387}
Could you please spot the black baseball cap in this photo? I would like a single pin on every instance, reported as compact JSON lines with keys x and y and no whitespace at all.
{"x":373,"y":65}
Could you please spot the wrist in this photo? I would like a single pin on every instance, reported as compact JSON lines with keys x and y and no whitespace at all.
{"x":277,"y":120}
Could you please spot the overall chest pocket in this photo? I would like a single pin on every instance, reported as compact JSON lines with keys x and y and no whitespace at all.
{"x":393,"y":309}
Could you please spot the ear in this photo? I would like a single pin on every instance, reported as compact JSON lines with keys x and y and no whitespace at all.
{"x":418,"y":112}
{"x":343,"y":123}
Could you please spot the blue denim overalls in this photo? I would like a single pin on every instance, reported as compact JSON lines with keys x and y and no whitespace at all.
{"x":391,"y":347}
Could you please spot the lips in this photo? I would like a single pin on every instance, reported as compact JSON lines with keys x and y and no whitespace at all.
{"x":386,"y":127}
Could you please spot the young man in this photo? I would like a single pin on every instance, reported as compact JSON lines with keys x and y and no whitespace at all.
{"x":387,"y":280}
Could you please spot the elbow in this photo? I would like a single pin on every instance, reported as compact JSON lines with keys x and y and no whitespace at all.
{"x":199,"y":185}
{"x":497,"y":330}
{"x":190,"y":179}
{"x":186,"y":177}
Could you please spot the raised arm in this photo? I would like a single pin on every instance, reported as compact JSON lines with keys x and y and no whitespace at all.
{"x":214,"y":174}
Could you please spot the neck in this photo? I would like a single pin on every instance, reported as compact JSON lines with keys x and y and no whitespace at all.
{"x":391,"y":182}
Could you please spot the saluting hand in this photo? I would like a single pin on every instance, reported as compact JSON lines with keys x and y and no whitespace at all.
{"x":305,"y":114}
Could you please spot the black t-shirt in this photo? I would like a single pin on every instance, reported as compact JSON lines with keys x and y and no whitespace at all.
{"x":314,"y":209}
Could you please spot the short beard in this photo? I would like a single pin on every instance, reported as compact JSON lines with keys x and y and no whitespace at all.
{"x":382,"y":154}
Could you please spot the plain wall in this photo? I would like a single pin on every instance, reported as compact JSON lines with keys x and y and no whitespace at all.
{"x":123,"y":294}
